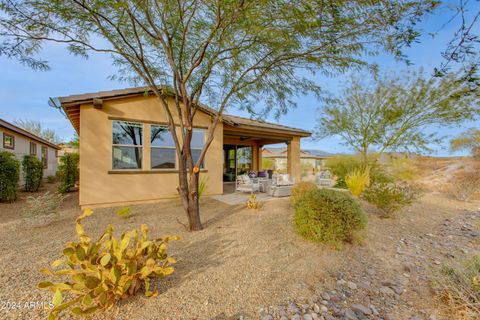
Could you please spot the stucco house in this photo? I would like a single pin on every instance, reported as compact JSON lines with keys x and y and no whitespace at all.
{"x":127,"y":154}
{"x":309,"y":158}
{"x":21,"y":142}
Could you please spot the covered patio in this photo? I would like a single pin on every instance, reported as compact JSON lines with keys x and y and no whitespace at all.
{"x":243,"y":141}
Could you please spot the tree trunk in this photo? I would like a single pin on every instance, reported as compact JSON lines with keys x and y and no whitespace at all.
{"x":188,"y":190}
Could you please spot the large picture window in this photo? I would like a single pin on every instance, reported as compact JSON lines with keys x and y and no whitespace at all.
{"x":127,"y":145}
{"x":162,"y":152}
{"x":198,"y":141}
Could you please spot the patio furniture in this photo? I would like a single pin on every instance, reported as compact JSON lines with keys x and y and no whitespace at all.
{"x":264,"y":184}
{"x":281,"y":186}
{"x":324,"y":178}
{"x":246,"y":184}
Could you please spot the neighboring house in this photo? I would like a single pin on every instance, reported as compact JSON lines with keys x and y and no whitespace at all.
{"x":310,"y":159}
{"x":21,"y":143}
{"x":127,"y":154}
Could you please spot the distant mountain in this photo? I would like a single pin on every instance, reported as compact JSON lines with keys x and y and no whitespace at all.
{"x":318,"y":153}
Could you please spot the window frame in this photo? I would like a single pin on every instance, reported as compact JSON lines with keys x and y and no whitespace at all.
{"x":140,"y":146}
{"x":162,"y":147}
{"x":45,"y":159}
{"x":33,"y":148}
{"x":5,"y":146}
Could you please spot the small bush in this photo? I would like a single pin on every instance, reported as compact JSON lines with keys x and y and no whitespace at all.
{"x":458,"y":289}
{"x":329,"y":216}
{"x":104,"y":271}
{"x":300,"y":189}
{"x":390,"y":197}
{"x":51,"y":179}
{"x":253,"y":203}
{"x":9,"y":176}
{"x":43,"y":205}
{"x":124,"y":212}
{"x":357,"y":181}
{"x":68,"y":171}
{"x":32,"y":173}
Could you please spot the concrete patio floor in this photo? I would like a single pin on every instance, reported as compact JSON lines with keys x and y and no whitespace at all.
{"x":231,"y":197}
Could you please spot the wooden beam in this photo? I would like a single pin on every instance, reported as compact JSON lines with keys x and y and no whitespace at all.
{"x":98,"y":103}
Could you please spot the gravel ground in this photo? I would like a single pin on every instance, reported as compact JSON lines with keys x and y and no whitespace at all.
{"x":248,"y":261}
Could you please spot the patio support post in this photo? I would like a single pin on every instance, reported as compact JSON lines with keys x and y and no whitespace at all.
{"x":259,"y":157}
{"x":293,"y":158}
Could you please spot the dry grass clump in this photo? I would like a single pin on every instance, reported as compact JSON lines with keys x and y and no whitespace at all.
{"x":466,"y":184}
{"x":458,"y":289}
{"x":299,"y":190}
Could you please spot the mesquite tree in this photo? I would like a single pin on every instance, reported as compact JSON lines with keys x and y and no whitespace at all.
{"x":393,"y":113}
{"x":235,"y":53}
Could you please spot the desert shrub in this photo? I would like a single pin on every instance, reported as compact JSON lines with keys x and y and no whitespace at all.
{"x":32,"y":173}
{"x":106,"y":270}
{"x":9,"y":176}
{"x":357,"y":181}
{"x":68,"y":171}
{"x":51,"y":179}
{"x":403,"y":169}
{"x":300,"y":189}
{"x":124,"y":212}
{"x":465,"y":185}
{"x":342,"y":165}
{"x":390,"y":197}
{"x":252,"y":202}
{"x":329,"y":216}
{"x":458,"y":289}
{"x":43,"y":205}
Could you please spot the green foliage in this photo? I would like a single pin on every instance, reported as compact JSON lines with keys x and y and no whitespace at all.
{"x":268,"y":164}
{"x":68,"y":171}
{"x":390,"y":197}
{"x":391,"y":113}
{"x":43,"y":205}
{"x":342,"y":165}
{"x":457,"y":286}
{"x":104,"y":271}
{"x":51,"y":179}
{"x":124,"y":212}
{"x":357,"y":181}
{"x":32,"y":173}
{"x":9,"y":176}
{"x":403,"y":169}
{"x":300,"y":189}
{"x":329,"y":216}
{"x":468,"y":140}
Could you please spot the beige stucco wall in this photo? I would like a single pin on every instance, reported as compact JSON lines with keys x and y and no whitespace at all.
{"x":22,"y":148}
{"x":100,"y":187}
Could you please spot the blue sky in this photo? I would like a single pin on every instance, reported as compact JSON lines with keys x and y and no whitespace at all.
{"x":25,"y":92}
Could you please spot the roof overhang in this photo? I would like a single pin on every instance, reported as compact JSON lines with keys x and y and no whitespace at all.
{"x":71,"y":107}
{"x":23,"y":132}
